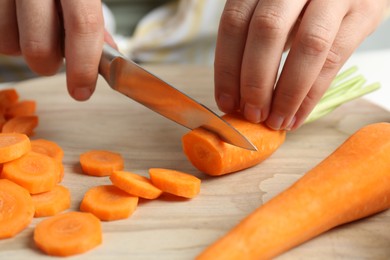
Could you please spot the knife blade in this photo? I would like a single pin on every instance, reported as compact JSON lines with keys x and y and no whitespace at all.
{"x":128,"y":78}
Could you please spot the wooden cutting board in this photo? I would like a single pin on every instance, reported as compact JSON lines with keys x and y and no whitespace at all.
{"x":171,"y":228}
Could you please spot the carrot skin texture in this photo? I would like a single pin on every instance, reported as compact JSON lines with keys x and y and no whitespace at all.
{"x":16,"y":209}
{"x":209,"y":154}
{"x":351,"y":183}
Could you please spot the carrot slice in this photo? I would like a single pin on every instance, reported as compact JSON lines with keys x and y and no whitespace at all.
{"x":68,"y":234}
{"x":51,"y":202}
{"x":108,"y":202}
{"x":47,"y":147}
{"x":135,"y":184}
{"x":101,"y":163}
{"x":21,"y":108}
{"x":13,"y":146}
{"x":352,"y":183}
{"x":208,"y":153}
{"x":8,"y":97}
{"x":175,"y":182}
{"x":21,"y":124}
{"x":33,"y":171}
{"x":16,"y":209}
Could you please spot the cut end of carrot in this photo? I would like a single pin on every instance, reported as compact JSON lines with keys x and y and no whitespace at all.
{"x":16,"y":209}
{"x":135,"y":184}
{"x":175,"y":182}
{"x":47,"y":147}
{"x":13,"y":146}
{"x":108,"y":203}
{"x":33,"y":171}
{"x":101,"y":163}
{"x":68,"y":234}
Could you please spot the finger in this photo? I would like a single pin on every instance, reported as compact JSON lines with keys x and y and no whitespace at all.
{"x":39,"y":32}
{"x":84,"y":34}
{"x":9,"y":40}
{"x":108,"y":39}
{"x":268,"y":31}
{"x":314,"y":38}
{"x":231,"y":40}
{"x":353,"y":30}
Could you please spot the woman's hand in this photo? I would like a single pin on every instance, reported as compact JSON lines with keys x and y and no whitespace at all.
{"x":45,"y":31}
{"x":253,"y":34}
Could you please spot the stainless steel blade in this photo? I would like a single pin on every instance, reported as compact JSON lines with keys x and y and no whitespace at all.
{"x":128,"y":78}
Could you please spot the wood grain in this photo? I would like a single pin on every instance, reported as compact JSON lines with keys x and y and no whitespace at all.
{"x":170,"y":228}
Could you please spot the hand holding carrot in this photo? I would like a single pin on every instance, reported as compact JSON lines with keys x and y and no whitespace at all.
{"x":252,"y":37}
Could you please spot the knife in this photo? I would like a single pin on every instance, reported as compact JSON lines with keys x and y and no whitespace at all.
{"x":128,"y":78}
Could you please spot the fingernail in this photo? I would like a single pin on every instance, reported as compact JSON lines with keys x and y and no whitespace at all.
{"x":226,"y":103}
{"x":291,"y":124}
{"x":82,"y":94}
{"x":275,"y":121}
{"x":252,"y":113}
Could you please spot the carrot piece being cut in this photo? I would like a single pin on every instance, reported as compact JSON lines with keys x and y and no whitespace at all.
{"x":13,"y":146}
{"x":47,"y":147}
{"x":33,"y":171}
{"x":175,"y":182}
{"x":68,"y":234}
{"x":21,"y":108}
{"x":100,"y":162}
{"x":208,"y":153}
{"x":108,"y":203}
{"x":16,"y":209}
{"x":351,"y":183}
{"x":21,"y":124}
{"x":51,"y":202}
{"x":135,"y":184}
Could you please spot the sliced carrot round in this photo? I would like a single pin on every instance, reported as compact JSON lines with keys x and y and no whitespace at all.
{"x":8,"y":97}
{"x":175,"y":182}
{"x":68,"y":234}
{"x":33,"y":171}
{"x":108,"y":202}
{"x":47,"y":147}
{"x":16,"y":209}
{"x":21,"y":108}
{"x":21,"y":124}
{"x":13,"y":146}
{"x":101,"y":163}
{"x":135,"y":184}
{"x":52,"y":202}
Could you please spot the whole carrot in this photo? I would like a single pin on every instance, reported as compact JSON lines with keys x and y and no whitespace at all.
{"x":352,"y":183}
{"x":207,"y":152}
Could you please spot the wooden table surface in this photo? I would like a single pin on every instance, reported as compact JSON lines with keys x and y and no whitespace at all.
{"x":169,"y":228}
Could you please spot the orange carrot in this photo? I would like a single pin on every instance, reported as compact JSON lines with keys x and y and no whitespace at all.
{"x":175,"y":182}
{"x":2,"y":120}
{"x":33,"y":171}
{"x":207,"y":152}
{"x":352,"y":183}
{"x":49,"y":148}
{"x":16,"y":209}
{"x":68,"y":234}
{"x":8,"y":97}
{"x":101,"y":163}
{"x":51,"y":202}
{"x":21,"y":108}
{"x":135,"y":184}
{"x":108,"y":202}
{"x":21,"y":124}
{"x":13,"y":146}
